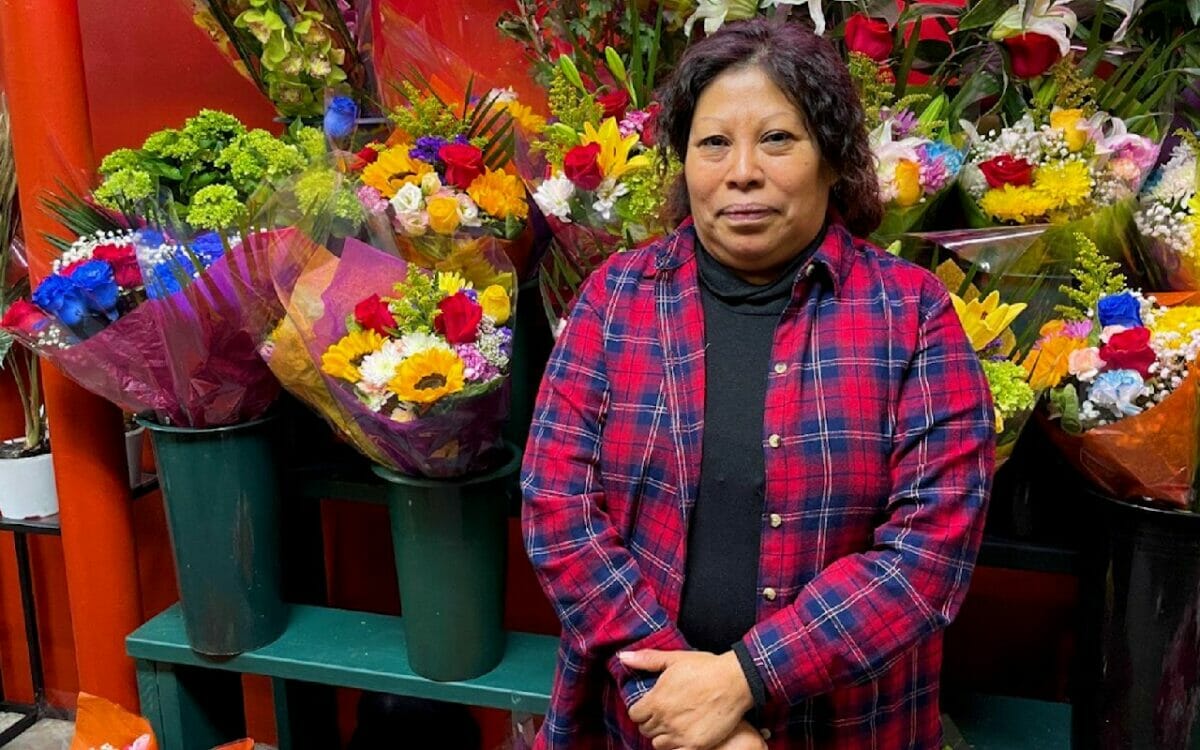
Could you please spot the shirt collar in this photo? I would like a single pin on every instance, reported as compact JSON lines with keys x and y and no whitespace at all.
{"x":834,"y":256}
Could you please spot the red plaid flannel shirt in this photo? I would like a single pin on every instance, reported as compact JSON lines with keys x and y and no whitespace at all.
{"x":878,"y":440}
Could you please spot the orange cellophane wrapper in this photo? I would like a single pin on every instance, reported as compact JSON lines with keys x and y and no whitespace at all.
{"x":1149,"y":455}
{"x":99,"y":721}
{"x":246,"y":744}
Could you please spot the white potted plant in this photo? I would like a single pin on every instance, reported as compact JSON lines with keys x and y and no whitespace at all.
{"x":27,"y":487}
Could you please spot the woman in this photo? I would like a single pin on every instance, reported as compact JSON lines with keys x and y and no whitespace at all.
{"x":756,"y":479}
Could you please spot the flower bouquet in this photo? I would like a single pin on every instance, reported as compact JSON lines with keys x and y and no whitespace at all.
{"x":1122,"y":392}
{"x":1168,"y":219}
{"x":598,"y":178}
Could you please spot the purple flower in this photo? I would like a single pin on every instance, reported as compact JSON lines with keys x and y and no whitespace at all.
{"x":633,"y":122}
{"x":1079,"y":329}
{"x":476,"y":368}
{"x":428,"y":146}
{"x":903,"y":123}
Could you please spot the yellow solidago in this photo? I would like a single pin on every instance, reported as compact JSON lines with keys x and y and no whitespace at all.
{"x":1064,"y":183}
{"x":500,"y":194}
{"x":340,"y":360}
{"x":987,"y":320}
{"x":1016,"y":203}
{"x":393,"y":169}
{"x":614,"y":157}
{"x":526,"y":119}
{"x":428,"y":376}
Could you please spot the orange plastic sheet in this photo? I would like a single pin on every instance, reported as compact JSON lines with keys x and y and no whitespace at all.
{"x":99,"y":722}
{"x":1149,"y":455}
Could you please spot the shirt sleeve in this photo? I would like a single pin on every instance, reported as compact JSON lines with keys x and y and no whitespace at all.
{"x":854,"y":618}
{"x":594,"y":583}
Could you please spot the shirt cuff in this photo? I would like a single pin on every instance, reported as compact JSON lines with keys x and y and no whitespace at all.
{"x":757,"y":689}
{"x":634,"y":684}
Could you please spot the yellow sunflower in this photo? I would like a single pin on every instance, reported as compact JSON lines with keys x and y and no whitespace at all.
{"x":526,"y":119}
{"x":427,"y":376}
{"x":393,"y":169}
{"x":340,"y":360}
{"x":500,"y":194}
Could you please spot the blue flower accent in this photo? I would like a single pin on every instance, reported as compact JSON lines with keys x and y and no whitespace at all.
{"x":1120,"y":310}
{"x":61,"y":297}
{"x":98,"y":285}
{"x":208,"y":248}
{"x":1116,"y":390}
{"x":950,"y":156}
{"x":340,"y":117}
{"x":150,"y":238}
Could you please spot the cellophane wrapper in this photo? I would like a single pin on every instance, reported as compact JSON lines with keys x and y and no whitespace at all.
{"x":1152,"y":455}
{"x":99,"y":722}
{"x":187,"y":358}
{"x":458,"y":435}
{"x":1169,"y":269}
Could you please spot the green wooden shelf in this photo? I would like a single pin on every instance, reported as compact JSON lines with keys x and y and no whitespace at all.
{"x":361,"y":650}
{"x":993,"y":722}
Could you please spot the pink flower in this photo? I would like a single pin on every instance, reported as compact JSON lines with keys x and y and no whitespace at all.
{"x":372,"y":200}
{"x":1084,"y":362}
{"x":1126,"y":170}
{"x":633,"y":122}
{"x":1109,"y":331}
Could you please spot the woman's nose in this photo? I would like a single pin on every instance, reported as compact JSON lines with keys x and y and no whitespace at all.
{"x":744,"y":170}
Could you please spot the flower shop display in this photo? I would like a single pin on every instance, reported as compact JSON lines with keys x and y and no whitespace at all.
{"x":1168,"y":219}
{"x":1122,"y":395}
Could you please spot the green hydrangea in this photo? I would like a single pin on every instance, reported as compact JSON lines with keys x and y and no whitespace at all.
{"x":311,"y":141}
{"x":257,"y":155}
{"x":124,"y":188}
{"x":171,"y":144}
{"x":215,"y":207}
{"x":323,"y":190}
{"x":213,"y":129}
{"x":122,"y":158}
{"x":648,"y":190}
{"x":1010,"y":387}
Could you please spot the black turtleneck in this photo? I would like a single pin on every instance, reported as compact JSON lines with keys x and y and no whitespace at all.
{"x":720,"y":590}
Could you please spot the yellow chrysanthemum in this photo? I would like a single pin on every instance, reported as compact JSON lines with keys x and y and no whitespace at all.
{"x":908,"y":183}
{"x":1181,"y":319}
{"x":500,"y":194}
{"x":987,"y":320}
{"x":1064,"y":183}
{"x":450,"y":282}
{"x":1067,"y":120}
{"x":527,"y":120}
{"x":614,"y":157}
{"x":393,"y":169}
{"x":1048,"y":364}
{"x":340,"y":360}
{"x":428,"y":376}
{"x":1019,"y":203}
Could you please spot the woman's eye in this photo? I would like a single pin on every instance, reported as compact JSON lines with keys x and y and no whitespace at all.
{"x":777,"y":137}
{"x":713,"y":140}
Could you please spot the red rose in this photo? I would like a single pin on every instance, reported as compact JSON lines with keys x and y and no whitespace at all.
{"x":123,"y":260}
{"x":582,"y":166}
{"x":1004,"y":170}
{"x":1032,"y":54}
{"x":615,"y":103}
{"x":464,"y":163}
{"x":373,"y":313}
{"x":459,"y":321}
{"x":868,"y":36}
{"x":22,"y":316}
{"x":69,"y":269}
{"x":1129,"y":350}
{"x":650,"y":127}
{"x":367,"y":156}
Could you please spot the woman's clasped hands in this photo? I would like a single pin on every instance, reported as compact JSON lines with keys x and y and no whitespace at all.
{"x":698,"y":702}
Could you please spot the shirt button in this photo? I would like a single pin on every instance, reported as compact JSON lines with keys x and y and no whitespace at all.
{"x":776,"y":520}
{"x":781,"y":367}
{"x":766,"y":733}
{"x":808,"y":270}
{"x":774,"y":440}
{"x":769,"y":594}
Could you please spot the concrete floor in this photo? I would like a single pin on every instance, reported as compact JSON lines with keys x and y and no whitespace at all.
{"x":47,"y":734}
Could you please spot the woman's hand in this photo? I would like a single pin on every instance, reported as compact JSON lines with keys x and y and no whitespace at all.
{"x":698,"y":701}
{"x":744,"y":737}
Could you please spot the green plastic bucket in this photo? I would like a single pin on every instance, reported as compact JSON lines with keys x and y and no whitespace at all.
{"x":221,"y":495}
{"x":451,"y":542}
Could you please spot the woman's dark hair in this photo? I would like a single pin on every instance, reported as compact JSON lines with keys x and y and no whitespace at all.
{"x":809,"y":71}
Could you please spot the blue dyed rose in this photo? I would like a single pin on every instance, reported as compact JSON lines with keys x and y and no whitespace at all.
{"x":1120,"y":310}
{"x":950,"y":156}
{"x":340,"y":117}
{"x":1116,"y":390}
{"x":208,"y":248}
{"x":96,"y":280}
{"x":61,"y":297}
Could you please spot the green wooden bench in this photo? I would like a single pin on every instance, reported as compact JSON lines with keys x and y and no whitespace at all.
{"x":194,"y":702}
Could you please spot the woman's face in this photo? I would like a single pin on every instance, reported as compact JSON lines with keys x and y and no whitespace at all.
{"x":758,"y":185}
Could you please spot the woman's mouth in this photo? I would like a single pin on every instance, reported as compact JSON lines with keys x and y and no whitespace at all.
{"x":747,"y":213}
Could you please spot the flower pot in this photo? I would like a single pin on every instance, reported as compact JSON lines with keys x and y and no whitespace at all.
{"x":1138,"y":686}
{"x":450,"y":541}
{"x":27,"y":488}
{"x":133,"y":454}
{"x":221,"y":495}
